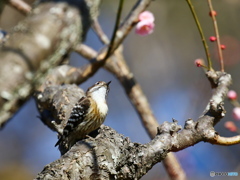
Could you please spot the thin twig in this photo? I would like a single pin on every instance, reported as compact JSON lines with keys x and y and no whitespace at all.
{"x":98,"y":30}
{"x":117,"y":22}
{"x":201,"y":34}
{"x":217,"y":36}
{"x":227,"y":141}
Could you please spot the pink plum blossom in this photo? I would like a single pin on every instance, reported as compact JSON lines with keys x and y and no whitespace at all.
{"x":232,"y":95}
{"x":146,"y":24}
{"x":146,"y":16}
{"x":236,"y":113}
{"x":144,"y":28}
{"x":230,"y":126}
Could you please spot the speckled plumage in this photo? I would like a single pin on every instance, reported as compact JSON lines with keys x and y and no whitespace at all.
{"x":87,"y":114}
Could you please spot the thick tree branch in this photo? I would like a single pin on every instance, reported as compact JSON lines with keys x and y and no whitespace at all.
{"x":203,"y":128}
{"x":108,"y":156}
{"x":38,"y":44}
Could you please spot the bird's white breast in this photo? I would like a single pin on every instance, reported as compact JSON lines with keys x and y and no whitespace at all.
{"x":99,"y":97}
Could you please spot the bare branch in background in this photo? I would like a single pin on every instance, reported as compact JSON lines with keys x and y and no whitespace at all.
{"x":20,"y":5}
{"x":98,"y":30}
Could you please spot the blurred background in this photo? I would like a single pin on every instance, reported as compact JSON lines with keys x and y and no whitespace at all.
{"x":163,"y":64}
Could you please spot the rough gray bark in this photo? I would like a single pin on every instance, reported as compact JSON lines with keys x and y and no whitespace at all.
{"x":107,"y":156}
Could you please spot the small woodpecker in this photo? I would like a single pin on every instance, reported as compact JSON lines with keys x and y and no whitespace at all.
{"x":87,"y":114}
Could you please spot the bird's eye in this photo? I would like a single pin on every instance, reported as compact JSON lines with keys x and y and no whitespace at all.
{"x":97,"y":83}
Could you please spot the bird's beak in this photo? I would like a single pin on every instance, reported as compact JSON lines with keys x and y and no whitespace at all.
{"x":108,"y":83}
